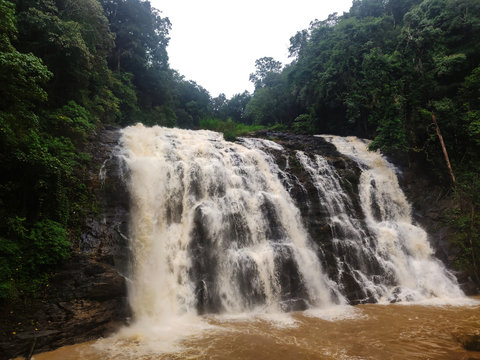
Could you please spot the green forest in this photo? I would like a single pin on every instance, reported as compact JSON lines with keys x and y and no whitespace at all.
{"x":399,"y":72}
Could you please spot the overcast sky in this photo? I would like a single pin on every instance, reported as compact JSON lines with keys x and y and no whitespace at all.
{"x":216,"y":42}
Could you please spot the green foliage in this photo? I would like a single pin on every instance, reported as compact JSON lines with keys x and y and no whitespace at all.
{"x":27,"y":253}
{"x":371,"y":71}
{"x":22,"y":77}
{"x":10,"y":256}
{"x":265,"y":68}
{"x":141,"y":39}
{"x":161,"y":115}
{"x":48,"y":244}
{"x":124,"y":90}
{"x":272,"y":102}
{"x":230,"y":129}
{"x":263,"y":107}
{"x":8,"y":28}
{"x":40,"y":182}
{"x":233,"y":108}
{"x":192,"y":103}
{"x":391,"y":136}
{"x":469,"y":97}
{"x":72,"y":121}
{"x":304,"y":124}
{"x":93,"y":25}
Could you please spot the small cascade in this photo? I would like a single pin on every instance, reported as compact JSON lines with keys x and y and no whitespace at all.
{"x":409,"y":272}
{"x":213,"y":229}
{"x":354,"y":250}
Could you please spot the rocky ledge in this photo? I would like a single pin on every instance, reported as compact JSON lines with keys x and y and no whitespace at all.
{"x":430,"y":203}
{"x":86,"y":298}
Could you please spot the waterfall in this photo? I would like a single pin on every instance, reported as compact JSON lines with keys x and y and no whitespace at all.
{"x":213,"y":229}
{"x":353,"y":246}
{"x":396,"y":244}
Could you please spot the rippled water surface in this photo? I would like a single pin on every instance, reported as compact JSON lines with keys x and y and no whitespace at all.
{"x":360,"y":332}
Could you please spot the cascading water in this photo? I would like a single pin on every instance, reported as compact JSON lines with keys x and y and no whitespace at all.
{"x":213,"y":229}
{"x":353,"y":246}
{"x":401,"y":249}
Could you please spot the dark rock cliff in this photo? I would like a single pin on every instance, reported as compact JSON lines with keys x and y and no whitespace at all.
{"x":86,"y":297}
{"x":339,"y":261}
{"x":430,"y":205}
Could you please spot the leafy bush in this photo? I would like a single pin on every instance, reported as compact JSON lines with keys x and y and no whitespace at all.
{"x":26,"y":255}
{"x":230,"y":129}
{"x":48,"y":244}
{"x":303,"y":124}
{"x":71,"y":120}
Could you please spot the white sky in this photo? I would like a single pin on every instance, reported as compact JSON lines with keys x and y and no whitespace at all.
{"x":216,"y":42}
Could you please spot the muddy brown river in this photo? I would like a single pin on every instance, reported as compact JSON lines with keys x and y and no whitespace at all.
{"x":360,"y":332}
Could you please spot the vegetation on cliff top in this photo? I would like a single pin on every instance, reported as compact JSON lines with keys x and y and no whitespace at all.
{"x":380,"y":71}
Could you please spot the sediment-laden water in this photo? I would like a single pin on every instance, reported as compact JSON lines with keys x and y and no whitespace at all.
{"x":372,"y":331}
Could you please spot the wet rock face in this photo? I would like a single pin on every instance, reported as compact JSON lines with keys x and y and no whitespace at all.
{"x":105,"y":235}
{"x":315,"y":215}
{"x":86,"y":300}
{"x":87,"y":296}
{"x":431,"y":202}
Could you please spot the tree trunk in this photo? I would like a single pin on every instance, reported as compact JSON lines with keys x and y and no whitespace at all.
{"x":445,"y":153}
{"x":472,"y":229}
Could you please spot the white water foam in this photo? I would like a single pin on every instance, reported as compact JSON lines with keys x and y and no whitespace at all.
{"x":401,"y":246}
{"x":211,"y":227}
{"x":335,"y":313}
{"x":192,"y":192}
{"x":180,"y":178}
{"x":149,"y":338}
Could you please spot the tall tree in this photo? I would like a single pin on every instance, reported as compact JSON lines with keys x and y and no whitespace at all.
{"x":265,"y":67}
